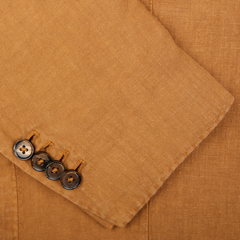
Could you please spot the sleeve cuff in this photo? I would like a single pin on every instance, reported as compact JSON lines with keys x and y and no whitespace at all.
{"x":104,"y":81}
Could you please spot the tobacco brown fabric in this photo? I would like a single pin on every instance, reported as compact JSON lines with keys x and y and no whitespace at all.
{"x":200,"y":200}
{"x":8,"y":200}
{"x":107,"y":82}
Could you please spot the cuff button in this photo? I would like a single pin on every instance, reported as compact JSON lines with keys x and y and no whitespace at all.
{"x":23,"y":149}
{"x":70,"y":180}
{"x":40,"y":160}
{"x":54,"y":170}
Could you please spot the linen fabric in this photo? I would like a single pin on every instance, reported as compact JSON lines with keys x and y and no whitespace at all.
{"x":201,"y":198}
{"x":133,"y":121}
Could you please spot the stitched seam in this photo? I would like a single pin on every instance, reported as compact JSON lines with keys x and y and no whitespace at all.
{"x":216,"y":121}
{"x":148,"y":206}
{"x":17,"y":195}
{"x":182,"y":157}
{"x":95,"y":209}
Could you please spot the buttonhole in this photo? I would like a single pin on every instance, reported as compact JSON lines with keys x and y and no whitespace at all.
{"x":62,"y":157}
{"x":47,"y":145}
{"x":32,"y":136}
{"x":81,"y":164}
{"x":55,"y":170}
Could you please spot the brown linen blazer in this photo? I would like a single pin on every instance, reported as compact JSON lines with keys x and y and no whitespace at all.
{"x":133,"y":95}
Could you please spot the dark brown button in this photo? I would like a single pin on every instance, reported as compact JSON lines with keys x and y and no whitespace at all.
{"x":54,"y":170}
{"x":70,"y":179}
{"x":40,"y":161}
{"x":23,"y":149}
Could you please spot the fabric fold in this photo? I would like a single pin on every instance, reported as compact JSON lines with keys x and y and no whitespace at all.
{"x":105,"y":81}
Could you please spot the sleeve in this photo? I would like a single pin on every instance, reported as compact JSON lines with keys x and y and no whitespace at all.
{"x":104,"y":84}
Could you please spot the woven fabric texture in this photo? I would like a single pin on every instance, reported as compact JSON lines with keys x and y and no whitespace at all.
{"x":106,"y":81}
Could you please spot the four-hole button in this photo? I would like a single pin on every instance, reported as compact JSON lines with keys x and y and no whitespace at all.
{"x":70,"y":179}
{"x":54,"y":170}
{"x":23,"y":149}
{"x":40,"y":161}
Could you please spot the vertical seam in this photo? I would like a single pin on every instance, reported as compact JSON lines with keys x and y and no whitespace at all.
{"x":17,"y":200}
{"x":148,"y":206}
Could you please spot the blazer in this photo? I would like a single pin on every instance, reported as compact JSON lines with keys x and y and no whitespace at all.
{"x":119,"y":119}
